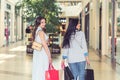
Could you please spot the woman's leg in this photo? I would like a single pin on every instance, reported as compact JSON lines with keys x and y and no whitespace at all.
{"x":74,"y":70}
{"x":81,"y":69}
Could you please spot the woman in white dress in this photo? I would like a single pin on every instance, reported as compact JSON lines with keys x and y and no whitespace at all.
{"x":41,"y":59}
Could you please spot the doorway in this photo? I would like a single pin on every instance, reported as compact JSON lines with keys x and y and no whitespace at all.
{"x":100,"y":30}
{"x":87,"y":28}
{"x":7,"y":22}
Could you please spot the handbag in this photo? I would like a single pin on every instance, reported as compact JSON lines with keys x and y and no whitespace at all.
{"x":36,"y":46}
{"x":68,"y":74}
{"x":89,"y":73}
{"x":52,"y":74}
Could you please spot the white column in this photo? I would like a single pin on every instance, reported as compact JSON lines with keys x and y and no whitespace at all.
{"x":12,"y":26}
{"x":91,"y":27}
{"x":19,"y":27}
{"x":83,"y":15}
{"x":83,"y":20}
{"x":116,"y":7}
{"x":23,"y":25}
{"x":97,"y":11}
{"x":105,"y":24}
{"x":2,"y":26}
{"x":67,"y":22}
{"x":94,"y":24}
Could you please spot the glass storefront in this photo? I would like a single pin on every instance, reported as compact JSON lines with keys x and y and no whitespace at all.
{"x":7,"y":24}
{"x":110,"y":30}
{"x":7,"y":21}
{"x":117,"y":34}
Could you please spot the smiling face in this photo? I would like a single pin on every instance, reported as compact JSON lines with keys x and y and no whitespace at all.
{"x":42,"y":23}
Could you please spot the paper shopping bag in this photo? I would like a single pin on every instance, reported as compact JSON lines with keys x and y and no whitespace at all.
{"x":52,"y":74}
{"x":68,"y":74}
{"x":89,"y":73}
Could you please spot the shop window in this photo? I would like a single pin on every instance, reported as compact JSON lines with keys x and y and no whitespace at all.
{"x":8,"y":6}
{"x":119,"y":5}
{"x":118,"y":26}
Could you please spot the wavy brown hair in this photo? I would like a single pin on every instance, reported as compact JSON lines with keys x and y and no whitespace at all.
{"x":37,"y":23}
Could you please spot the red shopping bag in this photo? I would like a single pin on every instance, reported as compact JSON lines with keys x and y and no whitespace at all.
{"x":52,"y":74}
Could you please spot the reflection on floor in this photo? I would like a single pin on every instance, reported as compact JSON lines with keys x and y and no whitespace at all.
{"x":118,"y":50}
{"x":15,"y":64}
{"x":117,"y":53}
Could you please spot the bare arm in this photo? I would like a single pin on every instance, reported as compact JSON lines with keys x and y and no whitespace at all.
{"x":45,"y":46}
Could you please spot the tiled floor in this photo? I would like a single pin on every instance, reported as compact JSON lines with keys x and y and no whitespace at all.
{"x":15,"y":64}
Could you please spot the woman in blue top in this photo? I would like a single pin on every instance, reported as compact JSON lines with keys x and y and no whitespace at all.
{"x":41,"y":59}
{"x":75,"y":50}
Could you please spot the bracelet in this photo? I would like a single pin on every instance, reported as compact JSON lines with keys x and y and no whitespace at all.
{"x":86,"y":54}
{"x":64,"y":57}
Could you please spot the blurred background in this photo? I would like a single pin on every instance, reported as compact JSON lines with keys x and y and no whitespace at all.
{"x":99,"y":19}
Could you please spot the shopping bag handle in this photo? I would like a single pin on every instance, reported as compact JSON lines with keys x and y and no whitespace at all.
{"x":51,"y":67}
{"x":88,"y":66}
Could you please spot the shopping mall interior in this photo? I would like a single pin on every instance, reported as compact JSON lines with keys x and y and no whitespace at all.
{"x":96,"y":19}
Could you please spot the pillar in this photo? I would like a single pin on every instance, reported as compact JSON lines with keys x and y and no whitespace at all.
{"x":2,"y":26}
{"x":94,"y":24}
{"x":12,"y":26}
{"x":105,"y":24}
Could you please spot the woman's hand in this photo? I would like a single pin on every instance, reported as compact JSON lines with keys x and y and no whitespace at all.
{"x":63,"y":64}
{"x":50,"y":60}
{"x":87,"y":60}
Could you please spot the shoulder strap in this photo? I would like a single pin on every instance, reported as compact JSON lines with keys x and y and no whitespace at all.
{"x":37,"y":32}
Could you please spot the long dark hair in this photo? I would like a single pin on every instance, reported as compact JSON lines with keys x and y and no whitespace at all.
{"x":36,"y":25}
{"x":70,"y":30}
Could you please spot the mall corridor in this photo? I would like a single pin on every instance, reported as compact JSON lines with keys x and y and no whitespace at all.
{"x":15,"y":64}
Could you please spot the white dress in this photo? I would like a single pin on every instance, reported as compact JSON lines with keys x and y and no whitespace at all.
{"x":40,"y":61}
